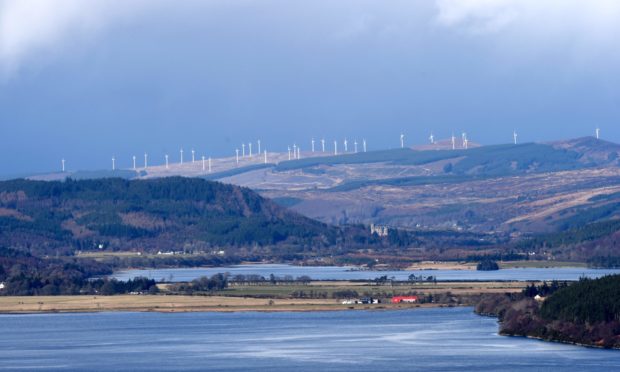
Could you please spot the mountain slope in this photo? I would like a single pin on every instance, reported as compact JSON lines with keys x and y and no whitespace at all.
{"x":160,"y":214}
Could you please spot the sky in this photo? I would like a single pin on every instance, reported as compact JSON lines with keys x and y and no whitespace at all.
{"x":88,"y":80}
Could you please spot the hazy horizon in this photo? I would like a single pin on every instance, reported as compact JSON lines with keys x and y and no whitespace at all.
{"x":88,"y":81}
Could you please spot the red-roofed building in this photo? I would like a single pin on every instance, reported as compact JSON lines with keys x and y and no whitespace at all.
{"x":404,"y":299}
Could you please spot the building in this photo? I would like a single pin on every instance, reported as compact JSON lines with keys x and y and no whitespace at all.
{"x":404,"y":299}
{"x":1,"y":286}
{"x":379,"y":230}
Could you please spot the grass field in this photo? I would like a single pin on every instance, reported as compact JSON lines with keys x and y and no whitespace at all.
{"x":251,"y":298}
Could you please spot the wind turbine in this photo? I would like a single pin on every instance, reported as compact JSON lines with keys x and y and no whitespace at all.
{"x":335,"y":147}
{"x":323,"y":144}
{"x":312,"y":144}
{"x":364,"y":144}
{"x":250,"y":148}
{"x":432,"y":138}
{"x":113,"y":164}
{"x":181,"y":156}
{"x":243,"y":150}
{"x":193,"y":156}
{"x":598,"y":132}
{"x":355,"y":146}
{"x":237,"y":152}
{"x":146,"y":163}
{"x":453,"y":142}
{"x":134,"y":162}
{"x":265,"y":152}
{"x":209,"y":164}
{"x":402,"y":141}
{"x":203,"y":163}
{"x":63,"y":165}
{"x":166,"y":156}
{"x":289,"y":152}
{"x":298,"y":152}
{"x":514,"y":136}
{"x":346,"y":148}
{"x":464,"y":139}
{"x":294,"y":151}
{"x":258,"y":142}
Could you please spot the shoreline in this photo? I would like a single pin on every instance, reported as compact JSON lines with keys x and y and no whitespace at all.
{"x":12,"y":305}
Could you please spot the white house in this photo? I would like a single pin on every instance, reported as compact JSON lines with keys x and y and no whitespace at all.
{"x":1,"y":286}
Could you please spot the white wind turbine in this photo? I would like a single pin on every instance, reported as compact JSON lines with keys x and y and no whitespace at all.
{"x":298,"y":152}
{"x":294,"y":151}
{"x":146,"y":158}
{"x":464,"y":139}
{"x":237,"y":153}
{"x":335,"y":147}
{"x":193,"y":156}
{"x":323,"y":144}
{"x":134,"y":162}
{"x":166,"y":157}
{"x":181,"y":156}
{"x":598,"y":132}
{"x":63,"y":165}
{"x":312,"y":144}
{"x":250,"y":148}
{"x":432,"y":139}
{"x":203,"y":163}
{"x":355,"y":146}
{"x":243,"y":150}
{"x":265,"y":152}
{"x":113,"y":164}
{"x":209,"y":164}
{"x":346,"y":148}
{"x":258,"y":142}
{"x":514,"y":136}
{"x":289,"y":152}
{"x":364,"y":144}
{"x":453,"y":142}
{"x":402,"y":141}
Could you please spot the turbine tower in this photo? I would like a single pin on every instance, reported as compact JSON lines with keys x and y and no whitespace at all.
{"x":298,"y":152}
{"x":203,"y":163}
{"x":294,"y":151}
{"x":514,"y":136}
{"x":209,"y":164}
{"x":181,"y":156}
{"x":346,"y":148}
{"x":166,"y":156}
{"x":364,"y":144}
{"x":289,"y":152}
{"x":323,"y":144}
{"x":134,"y":162}
{"x":335,"y":147}
{"x":402,"y":141}
{"x":464,"y":139}
{"x":312,"y":144}
{"x":250,"y":148}
{"x":243,"y":150}
{"x":193,"y":156}
{"x":237,"y":152}
{"x":113,"y":164}
{"x":146,"y":158}
{"x":258,"y":143}
{"x":265,"y":152}
{"x":355,"y":146}
{"x":432,"y":139}
{"x":453,"y":142}
{"x":63,"y":165}
{"x":598,"y":132}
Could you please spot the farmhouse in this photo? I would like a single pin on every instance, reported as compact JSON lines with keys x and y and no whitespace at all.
{"x":404,"y":299}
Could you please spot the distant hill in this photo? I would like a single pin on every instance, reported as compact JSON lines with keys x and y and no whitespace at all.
{"x":167,"y":214}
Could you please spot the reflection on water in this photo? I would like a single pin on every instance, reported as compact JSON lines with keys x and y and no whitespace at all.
{"x":349,"y":273}
{"x":429,"y":339}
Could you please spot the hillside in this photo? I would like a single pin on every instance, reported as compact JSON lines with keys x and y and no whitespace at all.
{"x":586,"y":312}
{"x":167,"y":214}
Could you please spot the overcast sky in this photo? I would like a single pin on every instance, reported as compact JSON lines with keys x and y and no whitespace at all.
{"x":86,"y":80}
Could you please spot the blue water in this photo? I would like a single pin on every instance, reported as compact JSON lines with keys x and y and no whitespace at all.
{"x":348,"y":273}
{"x":421,"y":339}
